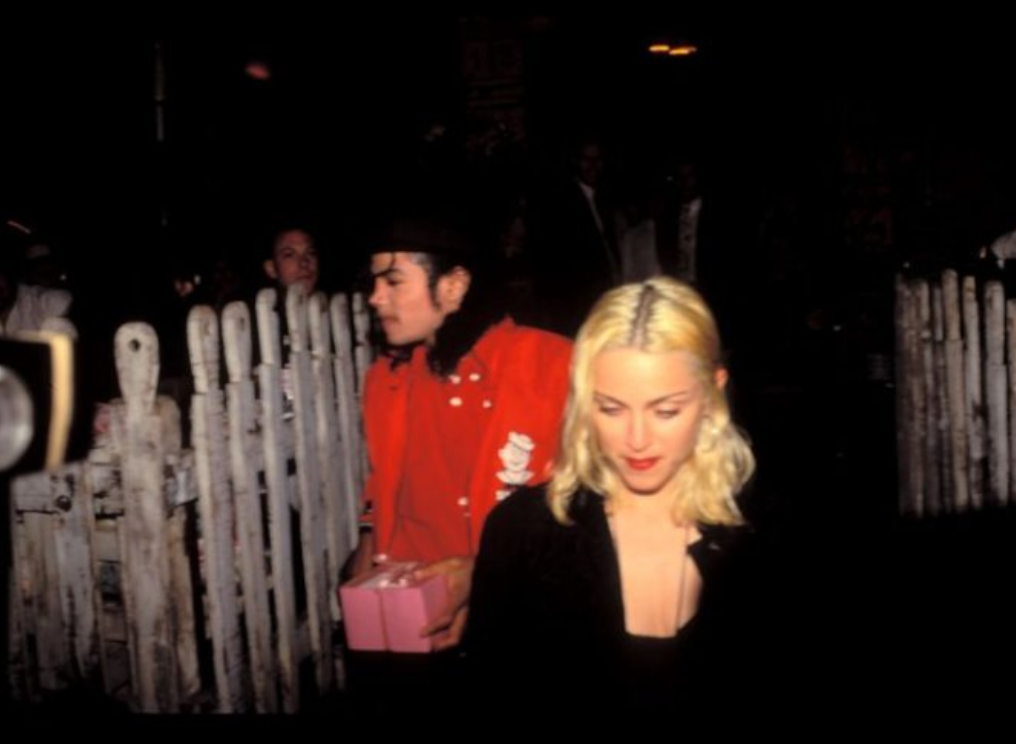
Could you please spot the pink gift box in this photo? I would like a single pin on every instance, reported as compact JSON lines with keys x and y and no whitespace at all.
{"x":385,"y":609}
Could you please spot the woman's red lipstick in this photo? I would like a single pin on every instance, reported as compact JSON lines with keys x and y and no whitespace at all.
{"x":641,"y":464}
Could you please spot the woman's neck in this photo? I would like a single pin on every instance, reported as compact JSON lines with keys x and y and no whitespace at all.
{"x":643,"y":506}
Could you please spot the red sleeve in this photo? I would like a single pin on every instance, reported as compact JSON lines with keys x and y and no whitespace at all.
{"x":370,"y":406}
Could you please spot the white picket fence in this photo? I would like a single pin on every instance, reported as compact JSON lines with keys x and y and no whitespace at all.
{"x":201,"y":578}
{"x":956,"y":394}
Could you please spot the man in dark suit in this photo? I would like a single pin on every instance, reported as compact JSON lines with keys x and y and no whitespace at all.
{"x":575,"y":242}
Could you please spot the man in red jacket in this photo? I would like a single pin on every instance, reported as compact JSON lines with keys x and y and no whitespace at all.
{"x":464,"y":407}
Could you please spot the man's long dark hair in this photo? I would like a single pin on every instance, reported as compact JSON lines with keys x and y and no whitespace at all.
{"x":483,"y":304}
{"x":481,"y":308}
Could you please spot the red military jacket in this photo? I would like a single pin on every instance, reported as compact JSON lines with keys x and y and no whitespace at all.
{"x":508,"y":393}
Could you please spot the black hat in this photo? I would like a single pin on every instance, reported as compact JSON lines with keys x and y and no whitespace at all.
{"x":423,"y":234}
{"x":435,"y":222}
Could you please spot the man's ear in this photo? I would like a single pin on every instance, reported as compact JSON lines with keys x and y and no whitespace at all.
{"x":452,"y":288}
{"x":270,"y":271}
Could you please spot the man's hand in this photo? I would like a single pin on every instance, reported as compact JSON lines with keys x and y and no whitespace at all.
{"x":447,"y":627}
{"x":362,"y":559}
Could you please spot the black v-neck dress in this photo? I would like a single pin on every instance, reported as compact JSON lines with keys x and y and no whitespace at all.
{"x":547,"y":620}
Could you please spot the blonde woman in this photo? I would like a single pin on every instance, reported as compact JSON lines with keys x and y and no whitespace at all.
{"x":597,"y":584}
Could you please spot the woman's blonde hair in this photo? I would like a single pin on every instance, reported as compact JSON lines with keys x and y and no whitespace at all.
{"x":656,"y":316}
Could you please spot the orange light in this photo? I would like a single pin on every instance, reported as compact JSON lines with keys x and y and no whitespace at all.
{"x":659,"y":48}
{"x":685,"y":50}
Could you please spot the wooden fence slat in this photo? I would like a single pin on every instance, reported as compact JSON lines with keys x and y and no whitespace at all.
{"x":308,"y":480}
{"x":278,"y":486}
{"x":904,"y":414}
{"x":940,"y":393}
{"x":181,"y":520}
{"x":973,"y":378}
{"x":956,"y":388}
{"x":328,"y":445}
{"x":929,"y":425}
{"x":915,"y":497}
{"x":215,"y":505}
{"x":21,"y":669}
{"x":139,"y":434}
{"x":79,"y":594}
{"x":36,"y":572}
{"x":245,"y":459}
{"x":348,"y":415}
{"x":103,"y":474}
{"x":1010,"y":311}
{"x":995,"y":393}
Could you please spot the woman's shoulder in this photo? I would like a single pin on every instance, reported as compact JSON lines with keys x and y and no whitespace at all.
{"x":727,"y":534}
{"x":723,"y":549}
{"x":525,"y":517}
{"x":733,"y":537}
{"x":526,"y":506}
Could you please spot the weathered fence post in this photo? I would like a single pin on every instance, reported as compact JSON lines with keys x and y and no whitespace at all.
{"x":345,"y":370}
{"x":940,"y":397}
{"x":903,"y":400}
{"x":308,"y":481}
{"x":956,"y":389}
{"x":245,"y":459}
{"x":215,"y":504}
{"x":975,"y":390}
{"x":139,"y":434}
{"x":327,"y":433}
{"x":928,"y":396}
{"x":278,"y":485}
{"x":995,"y":393}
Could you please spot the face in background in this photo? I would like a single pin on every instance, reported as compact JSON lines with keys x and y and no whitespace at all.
{"x":294,"y":260}
{"x":590,"y":164}
{"x":647,"y":411}
{"x":408,"y":310}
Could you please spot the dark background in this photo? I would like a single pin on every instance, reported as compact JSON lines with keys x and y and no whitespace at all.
{"x":770,"y":106}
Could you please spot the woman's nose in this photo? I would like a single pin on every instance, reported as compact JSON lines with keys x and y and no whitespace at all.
{"x":638,"y":435}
